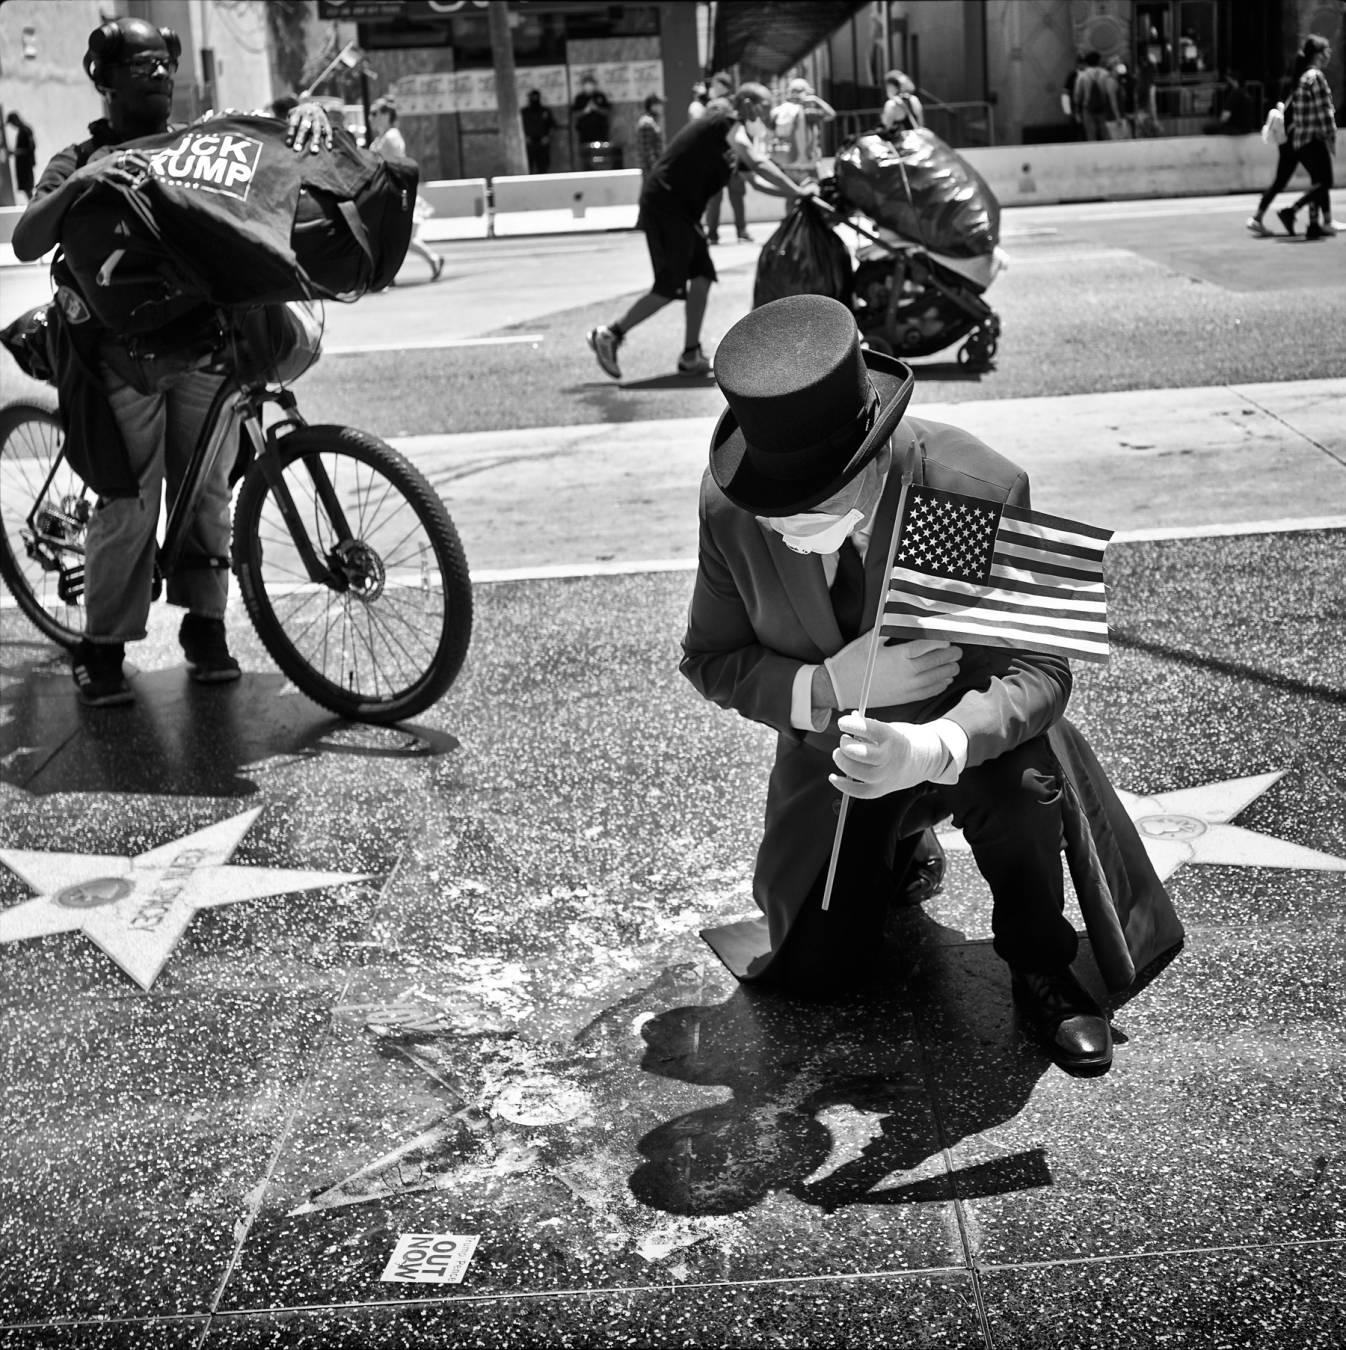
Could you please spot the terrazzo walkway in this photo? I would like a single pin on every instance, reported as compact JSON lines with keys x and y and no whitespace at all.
{"x":490,"y":1015}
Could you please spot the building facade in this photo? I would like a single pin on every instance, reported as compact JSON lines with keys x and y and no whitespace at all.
{"x":227,"y":61}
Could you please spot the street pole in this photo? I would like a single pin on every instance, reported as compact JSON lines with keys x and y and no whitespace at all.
{"x":506,"y":89}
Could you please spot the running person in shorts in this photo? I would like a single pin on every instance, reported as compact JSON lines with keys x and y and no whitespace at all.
{"x":695,"y":166}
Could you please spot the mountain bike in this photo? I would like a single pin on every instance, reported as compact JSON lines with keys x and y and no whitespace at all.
{"x":347,"y":560}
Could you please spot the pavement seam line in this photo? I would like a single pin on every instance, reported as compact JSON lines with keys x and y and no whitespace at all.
{"x":1276,"y":417}
{"x":1224,"y":1249}
{"x":596,"y":1291}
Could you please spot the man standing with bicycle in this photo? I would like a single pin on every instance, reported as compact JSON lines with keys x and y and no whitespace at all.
{"x":138,"y":414}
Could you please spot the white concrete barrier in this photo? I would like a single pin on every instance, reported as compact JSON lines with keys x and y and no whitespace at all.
{"x":573,"y":192}
{"x":1166,"y":166}
{"x":460,"y":199}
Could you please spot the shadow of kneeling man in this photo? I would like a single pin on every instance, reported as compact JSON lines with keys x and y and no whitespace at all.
{"x":833,"y":1098}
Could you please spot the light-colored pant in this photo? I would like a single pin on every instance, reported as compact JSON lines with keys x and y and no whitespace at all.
{"x":160,"y":431}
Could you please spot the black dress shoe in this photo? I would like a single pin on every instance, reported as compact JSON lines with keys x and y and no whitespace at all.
{"x":1063,"y":1018}
{"x":924,"y":877}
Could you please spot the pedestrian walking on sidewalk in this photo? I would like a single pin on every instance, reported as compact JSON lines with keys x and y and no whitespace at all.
{"x":1313,"y":132}
{"x":720,"y":89}
{"x":1276,"y":131}
{"x":695,"y":165}
{"x":1095,"y":99}
{"x":389,"y":143}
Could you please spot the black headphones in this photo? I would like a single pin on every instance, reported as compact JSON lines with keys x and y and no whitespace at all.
{"x":105,"y":47}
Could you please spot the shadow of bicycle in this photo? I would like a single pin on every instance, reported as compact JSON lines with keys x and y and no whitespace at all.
{"x":178,"y":738}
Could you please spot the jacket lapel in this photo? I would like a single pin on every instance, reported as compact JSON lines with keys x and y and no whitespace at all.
{"x":805,"y":584}
{"x":801,"y":574}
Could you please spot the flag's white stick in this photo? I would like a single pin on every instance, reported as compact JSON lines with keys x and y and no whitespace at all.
{"x":870,"y":658}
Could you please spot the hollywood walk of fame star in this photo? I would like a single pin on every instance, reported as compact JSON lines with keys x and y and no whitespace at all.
{"x":1191,"y":825}
{"x":136,"y":908}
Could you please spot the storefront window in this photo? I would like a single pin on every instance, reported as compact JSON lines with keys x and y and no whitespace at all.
{"x":1179,"y":39}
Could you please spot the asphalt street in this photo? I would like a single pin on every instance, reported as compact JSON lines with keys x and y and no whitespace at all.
{"x":446,"y":978}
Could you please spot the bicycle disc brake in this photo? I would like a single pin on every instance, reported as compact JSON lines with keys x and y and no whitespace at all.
{"x":360,"y":567}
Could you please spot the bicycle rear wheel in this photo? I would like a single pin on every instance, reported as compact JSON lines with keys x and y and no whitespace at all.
{"x":44,"y":514}
{"x":386,"y":637}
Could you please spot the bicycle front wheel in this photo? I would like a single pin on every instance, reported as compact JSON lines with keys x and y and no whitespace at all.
{"x":384,"y":635}
{"x":44,"y":514}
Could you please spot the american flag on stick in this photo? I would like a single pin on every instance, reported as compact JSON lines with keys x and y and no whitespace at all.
{"x":970,"y":570}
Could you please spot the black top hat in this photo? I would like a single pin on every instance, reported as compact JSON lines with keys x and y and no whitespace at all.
{"x":808,"y":406}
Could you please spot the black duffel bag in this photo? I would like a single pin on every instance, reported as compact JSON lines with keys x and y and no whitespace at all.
{"x":233,"y":216}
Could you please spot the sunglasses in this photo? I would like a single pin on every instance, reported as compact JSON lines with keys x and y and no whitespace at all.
{"x":147,"y":64}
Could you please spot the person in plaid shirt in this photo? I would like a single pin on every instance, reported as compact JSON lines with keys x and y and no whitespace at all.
{"x":1312,"y":122}
{"x":649,"y":134}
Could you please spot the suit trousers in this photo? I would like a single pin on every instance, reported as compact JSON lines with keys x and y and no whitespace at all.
{"x":1010,"y":811}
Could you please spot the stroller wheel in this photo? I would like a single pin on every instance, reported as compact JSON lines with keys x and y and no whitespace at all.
{"x":979,"y":349}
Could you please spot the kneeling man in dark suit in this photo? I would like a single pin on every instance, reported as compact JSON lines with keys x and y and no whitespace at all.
{"x":797,"y":509}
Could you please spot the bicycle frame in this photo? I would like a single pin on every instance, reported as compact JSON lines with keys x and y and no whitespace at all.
{"x":242,"y":408}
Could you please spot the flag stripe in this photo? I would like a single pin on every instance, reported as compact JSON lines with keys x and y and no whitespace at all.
{"x":998,"y":597}
{"x":1007,"y":583}
{"x":1023,"y":539}
{"x":1036,"y":642}
{"x":1048,"y":623}
{"x":1039,"y":566}
{"x":1027,"y":517}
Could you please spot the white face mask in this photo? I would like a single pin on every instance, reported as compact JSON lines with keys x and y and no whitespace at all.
{"x":825,"y":531}
{"x":816,"y":531}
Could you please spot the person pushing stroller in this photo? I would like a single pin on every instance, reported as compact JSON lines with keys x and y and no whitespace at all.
{"x":695,"y":166}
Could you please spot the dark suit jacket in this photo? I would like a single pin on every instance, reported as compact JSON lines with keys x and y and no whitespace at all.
{"x":759,"y":611}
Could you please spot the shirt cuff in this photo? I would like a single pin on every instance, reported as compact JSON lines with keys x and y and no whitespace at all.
{"x":954,"y":740}
{"x":801,"y":702}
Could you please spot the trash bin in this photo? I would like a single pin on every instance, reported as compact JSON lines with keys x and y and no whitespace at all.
{"x":600,"y":155}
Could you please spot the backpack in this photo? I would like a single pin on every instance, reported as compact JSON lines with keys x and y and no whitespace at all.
{"x":1273,"y":130}
{"x":1095,"y":99}
{"x":232,"y":216}
{"x":789,"y":135}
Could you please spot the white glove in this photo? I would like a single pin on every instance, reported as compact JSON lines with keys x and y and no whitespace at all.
{"x":883,"y":757}
{"x":906,"y":672}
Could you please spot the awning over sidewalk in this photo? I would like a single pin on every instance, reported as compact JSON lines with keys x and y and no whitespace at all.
{"x":770,"y":36}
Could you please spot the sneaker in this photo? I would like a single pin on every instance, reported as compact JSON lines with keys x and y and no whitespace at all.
{"x":744,"y":237}
{"x":712,"y":239}
{"x":1254,"y":223}
{"x":1324,"y":231}
{"x":436,"y":267}
{"x":693,"y":362}
{"x":207,"y":651}
{"x":603,"y":342}
{"x":1287,"y":218}
{"x":96,"y":668}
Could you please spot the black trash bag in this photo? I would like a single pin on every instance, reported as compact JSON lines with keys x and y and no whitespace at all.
{"x":28,"y":340}
{"x":915,"y":185}
{"x":803,"y":257}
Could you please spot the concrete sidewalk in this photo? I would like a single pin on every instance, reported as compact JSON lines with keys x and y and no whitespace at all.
{"x":1150,"y":463}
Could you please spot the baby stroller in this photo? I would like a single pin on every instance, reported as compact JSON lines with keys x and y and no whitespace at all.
{"x":929,"y":229}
